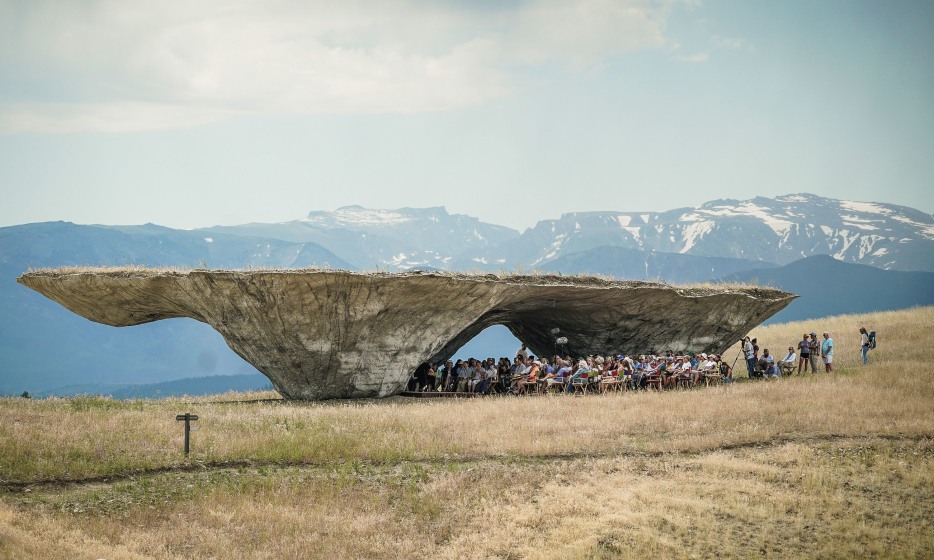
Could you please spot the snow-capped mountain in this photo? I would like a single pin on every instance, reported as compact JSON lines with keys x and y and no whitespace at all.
{"x":393,"y":240}
{"x":779,"y":230}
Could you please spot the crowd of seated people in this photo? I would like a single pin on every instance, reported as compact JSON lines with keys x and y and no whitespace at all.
{"x":528,"y":374}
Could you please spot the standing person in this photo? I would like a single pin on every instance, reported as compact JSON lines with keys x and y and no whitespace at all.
{"x":804,"y":350}
{"x":455,"y":374}
{"x":750,"y":354}
{"x":421,"y":376}
{"x":815,"y":352}
{"x":826,"y":349}
{"x":864,"y":344}
{"x":432,"y":377}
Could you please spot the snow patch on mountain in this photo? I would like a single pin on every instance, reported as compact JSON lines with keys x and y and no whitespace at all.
{"x":357,"y":216}
{"x":766,"y":215}
{"x":694,"y":232}
{"x":554,"y":249}
{"x":635,"y":232}
{"x":866,"y":243}
{"x":866,"y":207}
{"x":926,"y":230}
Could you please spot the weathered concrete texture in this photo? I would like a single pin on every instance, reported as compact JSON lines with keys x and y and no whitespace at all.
{"x":335,"y":334}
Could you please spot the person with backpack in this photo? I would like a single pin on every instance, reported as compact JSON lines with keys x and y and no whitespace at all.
{"x":864,"y":344}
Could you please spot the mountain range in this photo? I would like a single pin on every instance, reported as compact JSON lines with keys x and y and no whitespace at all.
{"x":883,"y":249}
{"x":760,"y":230}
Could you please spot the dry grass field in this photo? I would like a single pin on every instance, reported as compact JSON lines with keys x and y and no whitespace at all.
{"x":816,"y":466}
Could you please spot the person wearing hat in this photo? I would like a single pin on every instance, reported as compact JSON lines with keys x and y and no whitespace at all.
{"x":804,"y":351}
{"x":815,"y":352}
{"x":787,"y":364}
{"x":768,"y":367}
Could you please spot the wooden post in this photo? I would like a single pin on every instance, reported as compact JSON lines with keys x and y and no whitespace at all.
{"x":188,"y":418}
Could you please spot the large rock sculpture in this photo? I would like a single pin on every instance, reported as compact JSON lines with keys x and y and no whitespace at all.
{"x":336,"y":334}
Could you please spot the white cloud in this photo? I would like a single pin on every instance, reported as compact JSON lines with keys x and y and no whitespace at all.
{"x":583,"y":33}
{"x":696,"y":57}
{"x":116,"y":66}
{"x":120,"y":116}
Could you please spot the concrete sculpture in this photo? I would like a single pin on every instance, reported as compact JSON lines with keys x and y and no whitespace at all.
{"x":336,"y":334}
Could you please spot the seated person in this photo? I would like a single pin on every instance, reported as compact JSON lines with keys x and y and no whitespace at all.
{"x":548,"y":375}
{"x":726,"y":372}
{"x":767,"y":365}
{"x":787,"y":365}
{"x":519,"y":371}
{"x":705,"y":365}
{"x":464,"y":375}
{"x":668,"y":376}
{"x":532,"y":379}
{"x":625,"y":369}
{"x":638,"y":372}
{"x":683,"y":369}
{"x":581,"y":371}
{"x":609,"y":377}
{"x":563,"y":372}
{"x":487,"y":376}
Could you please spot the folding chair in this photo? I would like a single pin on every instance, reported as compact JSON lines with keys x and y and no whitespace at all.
{"x":580,"y":384}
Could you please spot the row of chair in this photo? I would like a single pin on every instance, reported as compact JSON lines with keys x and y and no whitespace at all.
{"x":653,"y":380}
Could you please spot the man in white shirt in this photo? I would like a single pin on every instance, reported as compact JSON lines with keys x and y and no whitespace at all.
{"x":826,"y":349}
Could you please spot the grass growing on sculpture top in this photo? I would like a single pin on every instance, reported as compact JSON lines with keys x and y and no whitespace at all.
{"x":531,"y":276}
{"x":837,"y":465}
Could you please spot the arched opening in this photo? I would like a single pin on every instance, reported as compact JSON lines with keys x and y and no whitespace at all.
{"x":474,"y":343}
{"x":492,"y":342}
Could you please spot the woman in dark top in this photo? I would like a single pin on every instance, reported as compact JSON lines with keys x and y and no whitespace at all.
{"x":804,"y":353}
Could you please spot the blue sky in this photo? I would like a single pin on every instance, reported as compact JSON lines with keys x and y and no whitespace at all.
{"x":231,"y":112}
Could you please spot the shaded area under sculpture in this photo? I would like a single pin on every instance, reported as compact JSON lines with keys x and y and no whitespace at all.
{"x":336,"y":334}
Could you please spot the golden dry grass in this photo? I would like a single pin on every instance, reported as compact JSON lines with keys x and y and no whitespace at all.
{"x":820,"y":466}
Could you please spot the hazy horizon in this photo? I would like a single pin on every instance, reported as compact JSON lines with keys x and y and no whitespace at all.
{"x":448,"y":210}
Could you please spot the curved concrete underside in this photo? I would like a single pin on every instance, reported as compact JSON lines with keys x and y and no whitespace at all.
{"x":335,"y":334}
